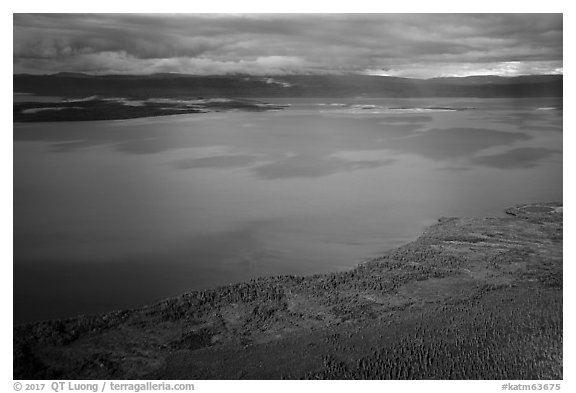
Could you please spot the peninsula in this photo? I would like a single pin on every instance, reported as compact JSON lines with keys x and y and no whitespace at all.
{"x":471,"y":298}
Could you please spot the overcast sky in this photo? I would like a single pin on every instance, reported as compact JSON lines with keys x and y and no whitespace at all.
{"x":408,"y":45}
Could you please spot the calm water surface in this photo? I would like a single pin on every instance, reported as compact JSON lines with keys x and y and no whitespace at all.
{"x":116,"y":214}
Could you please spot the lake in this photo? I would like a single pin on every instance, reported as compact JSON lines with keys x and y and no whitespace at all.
{"x":117,"y":214}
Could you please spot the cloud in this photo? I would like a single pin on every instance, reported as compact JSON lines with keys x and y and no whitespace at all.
{"x":402,"y":44}
{"x":440,"y":69}
{"x":122,"y":62}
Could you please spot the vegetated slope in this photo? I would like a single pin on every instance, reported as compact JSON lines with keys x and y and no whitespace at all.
{"x":472,"y":298}
{"x":346,"y":85}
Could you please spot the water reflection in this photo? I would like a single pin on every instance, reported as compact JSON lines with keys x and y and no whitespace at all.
{"x":275,"y":133}
{"x":310,"y":166}
{"x":447,"y":143}
{"x":525,"y":157}
{"x":117,"y":214}
{"x":407,"y":118}
{"x":231,"y":161}
{"x":95,"y":285}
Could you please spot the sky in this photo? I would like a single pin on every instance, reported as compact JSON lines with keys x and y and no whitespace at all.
{"x":405,"y":45}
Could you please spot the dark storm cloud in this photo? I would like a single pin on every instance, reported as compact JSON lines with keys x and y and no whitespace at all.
{"x":411,"y":44}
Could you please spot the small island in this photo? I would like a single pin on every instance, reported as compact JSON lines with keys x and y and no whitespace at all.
{"x":471,"y":298}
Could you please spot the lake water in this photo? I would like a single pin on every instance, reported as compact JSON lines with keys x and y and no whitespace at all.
{"x":117,"y":214}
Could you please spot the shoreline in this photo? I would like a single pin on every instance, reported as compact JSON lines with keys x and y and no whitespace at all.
{"x":341,"y":325}
{"x":96,"y":108}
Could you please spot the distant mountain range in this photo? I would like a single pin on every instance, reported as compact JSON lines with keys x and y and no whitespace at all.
{"x":350,"y":85}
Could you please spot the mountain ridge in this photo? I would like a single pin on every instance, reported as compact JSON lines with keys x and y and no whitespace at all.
{"x":327,"y":85}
